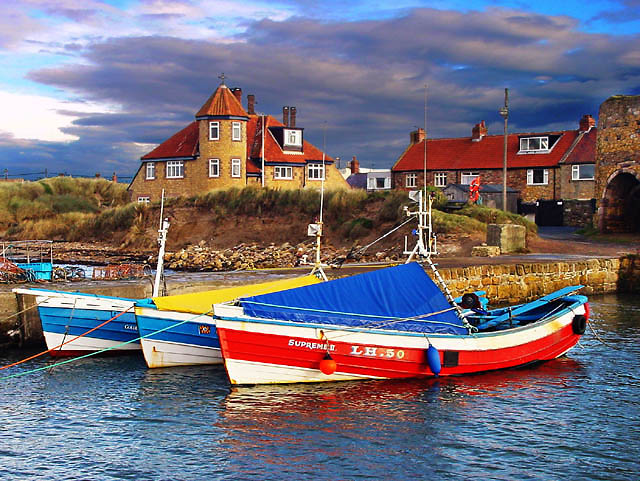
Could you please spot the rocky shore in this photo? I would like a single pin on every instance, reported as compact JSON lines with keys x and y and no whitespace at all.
{"x":200,"y":257}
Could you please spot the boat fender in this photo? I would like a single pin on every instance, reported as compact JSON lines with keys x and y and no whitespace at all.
{"x":328,"y":366}
{"x":470,"y":300}
{"x":433,"y":360}
{"x":579,"y":324}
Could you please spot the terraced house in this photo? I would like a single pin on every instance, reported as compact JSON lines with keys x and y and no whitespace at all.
{"x":228,"y":146}
{"x":553,"y":172}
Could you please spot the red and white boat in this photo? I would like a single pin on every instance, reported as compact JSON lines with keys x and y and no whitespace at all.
{"x":307,"y":334}
{"x":390,"y":323}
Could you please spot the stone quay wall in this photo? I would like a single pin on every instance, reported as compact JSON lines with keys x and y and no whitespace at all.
{"x":516,"y":283}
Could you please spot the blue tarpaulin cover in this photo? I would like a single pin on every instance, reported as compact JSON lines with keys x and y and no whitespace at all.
{"x":375,"y":299}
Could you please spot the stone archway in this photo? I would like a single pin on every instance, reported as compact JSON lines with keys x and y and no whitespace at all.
{"x":621,"y":204}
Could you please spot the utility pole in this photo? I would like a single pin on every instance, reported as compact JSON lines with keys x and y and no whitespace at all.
{"x":504,"y":112}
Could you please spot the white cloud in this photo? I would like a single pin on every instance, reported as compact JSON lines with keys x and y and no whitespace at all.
{"x":40,"y":118}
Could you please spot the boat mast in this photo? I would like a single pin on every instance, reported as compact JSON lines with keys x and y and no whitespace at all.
{"x":162,"y":240}
{"x":317,"y":228}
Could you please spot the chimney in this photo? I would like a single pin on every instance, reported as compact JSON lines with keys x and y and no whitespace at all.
{"x":292,"y":112}
{"x":586,"y":122}
{"x":478,"y":131}
{"x":251,"y":104}
{"x":417,"y":136}
{"x":285,"y":116}
{"x":354,"y":165}
{"x":237,"y":92}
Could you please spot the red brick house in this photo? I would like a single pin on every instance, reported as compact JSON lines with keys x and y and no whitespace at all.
{"x":223,"y":147}
{"x":542,"y":166}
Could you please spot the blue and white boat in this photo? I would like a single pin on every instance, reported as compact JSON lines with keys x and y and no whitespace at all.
{"x":76,"y":323}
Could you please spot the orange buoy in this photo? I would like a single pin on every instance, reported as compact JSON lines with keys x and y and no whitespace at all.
{"x":328,"y":366}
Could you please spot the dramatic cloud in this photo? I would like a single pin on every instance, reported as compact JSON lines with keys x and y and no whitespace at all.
{"x":358,"y":85}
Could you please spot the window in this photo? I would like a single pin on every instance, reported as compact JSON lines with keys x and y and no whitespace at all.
{"x":583,"y":172}
{"x":440,"y":179}
{"x":281,"y":172}
{"x":534,"y":144}
{"x":293,"y":138}
{"x":214,"y":130}
{"x":537,"y":176}
{"x":236,"y":131}
{"x":410,"y":180}
{"x":151,"y":171}
{"x":214,"y":167}
{"x":316,"y":172}
{"x":380,"y":182}
{"x":144,"y":200}
{"x":467,"y":177}
{"x":175,"y":169}
{"x":235,"y":167}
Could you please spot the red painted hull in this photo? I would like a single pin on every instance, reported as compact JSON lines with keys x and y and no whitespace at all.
{"x":288,"y":356}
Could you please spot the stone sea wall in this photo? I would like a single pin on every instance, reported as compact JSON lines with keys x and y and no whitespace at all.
{"x":515,"y":283}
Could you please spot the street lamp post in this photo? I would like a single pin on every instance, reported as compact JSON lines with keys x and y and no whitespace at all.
{"x":504,"y":112}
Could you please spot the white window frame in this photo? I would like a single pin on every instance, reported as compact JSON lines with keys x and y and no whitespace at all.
{"x":236,"y":168}
{"x":214,"y":167}
{"x":236,"y":131}
{"x":526,"y":146}
{"x":292,"y":138}
{"x":545,"y":177}
{"x":144,"y":199}
{"x":315,"y":172}
{"x":150,"y":171}
{"x":575,"y":172}
{"x":467,"y":177}
{"x":283,"y":172}
{"x":175,"y":169}
{"x":214,"y":130}
{"x":440,"y":179}
{"x":411,"y":180}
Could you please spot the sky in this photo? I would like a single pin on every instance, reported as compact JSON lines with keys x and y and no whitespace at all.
{"x":89,"y":87}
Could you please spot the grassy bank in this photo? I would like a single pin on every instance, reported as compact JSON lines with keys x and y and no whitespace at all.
{"x":98,"y":210}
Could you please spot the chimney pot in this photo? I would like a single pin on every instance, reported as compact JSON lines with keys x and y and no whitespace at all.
{"x":237,"y":92}
{"x":417,"y":136}
{"x":354,"y":165}
{"x":478,"y":131}
{"x":292,"y":120}
{"x":586,"y":122}
{"x":251,"y":104}
{"x":285,"y":116}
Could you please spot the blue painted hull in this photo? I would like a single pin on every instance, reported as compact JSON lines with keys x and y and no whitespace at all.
{"x":186,"y":339}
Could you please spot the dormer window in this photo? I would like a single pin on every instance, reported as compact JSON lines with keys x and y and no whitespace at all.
{"x":532,"y":145}
{"x":292,"y":138}
{"x":214,"y":130}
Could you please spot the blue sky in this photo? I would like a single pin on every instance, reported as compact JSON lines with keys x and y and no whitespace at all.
{"x":88,"y":87}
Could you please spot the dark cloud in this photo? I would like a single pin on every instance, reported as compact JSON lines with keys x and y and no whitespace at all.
{"x":629,"y":11}
{"x":358,"y":86}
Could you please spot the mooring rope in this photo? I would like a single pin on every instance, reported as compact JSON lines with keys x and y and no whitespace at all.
{"x":24,"y":310}
{"x":66,"y":342}
{"x":95,"y":353}
{"x":600,"y":339}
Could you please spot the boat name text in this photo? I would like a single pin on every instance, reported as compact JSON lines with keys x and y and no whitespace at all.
{"x":311,"y":345}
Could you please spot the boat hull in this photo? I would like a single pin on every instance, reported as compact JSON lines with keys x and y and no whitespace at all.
{"x":170,"y":338}
{"x":65,"y":316}
{"x":258,"y":351}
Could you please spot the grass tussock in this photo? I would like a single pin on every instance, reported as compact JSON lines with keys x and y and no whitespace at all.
{"x":497,"y":216}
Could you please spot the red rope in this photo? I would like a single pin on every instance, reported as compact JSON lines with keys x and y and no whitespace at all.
{"x":67,"y":342}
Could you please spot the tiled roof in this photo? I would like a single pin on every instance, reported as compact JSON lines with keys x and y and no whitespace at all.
{"x":185,"y":144}
{"x":182,"y":144}
{"x":272,"y":150}
{"x":463,"y":153}
{"x":585,"y":150}
{"x":222,"y":103}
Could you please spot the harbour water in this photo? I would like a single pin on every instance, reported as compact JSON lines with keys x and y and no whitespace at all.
{"x":574,"y":418}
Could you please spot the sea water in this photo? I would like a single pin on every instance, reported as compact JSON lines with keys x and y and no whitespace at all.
{"x":573,"y":418}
